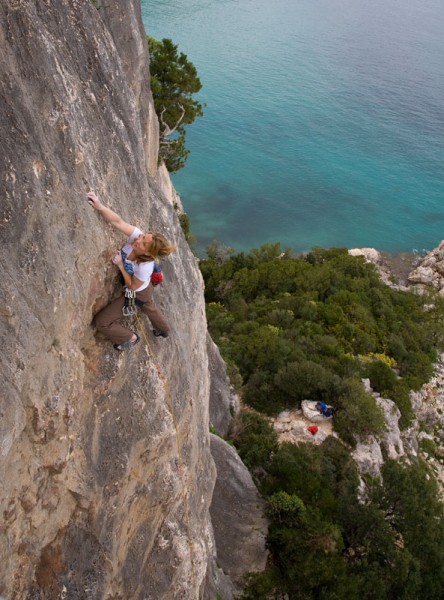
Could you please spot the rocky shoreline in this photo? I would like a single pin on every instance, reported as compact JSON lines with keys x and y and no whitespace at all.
{"x":408,"y":270}
{"x":394,"y":269}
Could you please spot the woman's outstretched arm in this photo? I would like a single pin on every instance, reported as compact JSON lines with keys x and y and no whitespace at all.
{"x":109,"y":215}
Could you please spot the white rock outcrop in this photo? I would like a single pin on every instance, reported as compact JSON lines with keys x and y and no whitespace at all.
{"x":429,"y":271}
{"x":369,"y":456}
{"x":376,"y":258}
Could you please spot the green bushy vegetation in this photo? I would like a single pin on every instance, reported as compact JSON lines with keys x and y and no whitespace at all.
{"x":307,"y":327}
{"x":256,"y":440}
{"x":311,"y":327}
{"x":325,"y":543}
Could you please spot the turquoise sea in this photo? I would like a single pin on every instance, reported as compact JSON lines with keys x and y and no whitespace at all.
{"x":324,"y":123}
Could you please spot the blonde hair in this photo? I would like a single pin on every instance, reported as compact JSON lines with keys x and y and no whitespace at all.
{"x":160,"y":247}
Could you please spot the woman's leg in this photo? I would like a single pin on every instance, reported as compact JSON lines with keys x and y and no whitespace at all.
{"x":107,"y":323}
{"x":151,"y":310}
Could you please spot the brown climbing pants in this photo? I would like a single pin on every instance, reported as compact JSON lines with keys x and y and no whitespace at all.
{"x":107,"y":320}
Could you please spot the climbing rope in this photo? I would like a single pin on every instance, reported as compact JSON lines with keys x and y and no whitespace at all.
{"x":179,"y":451}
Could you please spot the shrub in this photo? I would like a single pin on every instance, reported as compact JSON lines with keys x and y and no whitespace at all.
{"x":285,"y":508}
{"x":184,"y":221}
{"x":396,"y":347}
{"x":371,"y":357}
{"x":357,"y":415}
{"x":254,"y":437}
{"x":428,"y":446}
{"x":382,"y":377}
{"x":234,"y":374}
{"x":259,"y":393}
{"x":416,"y":368}
{"x":263,"y":586}
{"x":410,"y":498}
{"x":400,"y":395}
{"x":305,"y":380}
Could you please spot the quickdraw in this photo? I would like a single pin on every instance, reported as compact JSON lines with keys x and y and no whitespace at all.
{"x":129,"y":307}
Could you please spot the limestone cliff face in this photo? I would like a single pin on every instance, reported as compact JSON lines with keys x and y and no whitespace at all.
{"x":91,"y":499}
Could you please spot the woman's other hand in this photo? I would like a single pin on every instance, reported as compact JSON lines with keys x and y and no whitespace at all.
{"x":94,"y":201}
{"x":117,"y":260}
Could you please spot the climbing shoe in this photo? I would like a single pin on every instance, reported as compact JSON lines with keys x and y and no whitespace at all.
{"x":159,"y":333}
{"x":127,"y":345}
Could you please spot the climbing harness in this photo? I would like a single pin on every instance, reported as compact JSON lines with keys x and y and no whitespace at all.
{"x":129,"y":306}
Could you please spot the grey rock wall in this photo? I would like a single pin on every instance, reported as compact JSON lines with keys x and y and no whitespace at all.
{"x":124,"y":22}
{"x":106,"y":473}
{"x":237,"y":513}
{"x":224,"y":402}
{"x":91,"y":497}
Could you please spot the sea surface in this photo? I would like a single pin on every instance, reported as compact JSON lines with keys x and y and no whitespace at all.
{"x":324,"y":123}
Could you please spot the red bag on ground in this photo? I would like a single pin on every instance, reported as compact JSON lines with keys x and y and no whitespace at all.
{"x":313,"y":429}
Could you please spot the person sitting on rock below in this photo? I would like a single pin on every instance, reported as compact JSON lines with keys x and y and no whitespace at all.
{"x":327,"y":411}
{"x":136,"y":262}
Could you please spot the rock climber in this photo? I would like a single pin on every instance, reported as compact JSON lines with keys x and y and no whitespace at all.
{"x":136,"y":263}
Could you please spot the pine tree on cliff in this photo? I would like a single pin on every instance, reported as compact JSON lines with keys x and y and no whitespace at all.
{"x":173,"y":82}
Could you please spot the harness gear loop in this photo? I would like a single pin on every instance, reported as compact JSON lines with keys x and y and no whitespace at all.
{"x":129,"y":307}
